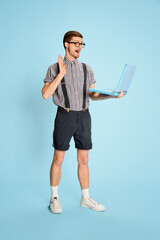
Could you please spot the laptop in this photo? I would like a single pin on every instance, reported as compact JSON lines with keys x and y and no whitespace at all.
{"x":123,"y":84}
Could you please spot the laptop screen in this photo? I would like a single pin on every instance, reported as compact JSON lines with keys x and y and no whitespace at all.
{"x":126,"y":77}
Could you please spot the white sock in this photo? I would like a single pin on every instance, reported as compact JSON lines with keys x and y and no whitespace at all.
{"x":85,"y":193}
{"x":54,"y":190}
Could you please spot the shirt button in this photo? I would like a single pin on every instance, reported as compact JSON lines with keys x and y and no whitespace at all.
{"x":77,"y":102}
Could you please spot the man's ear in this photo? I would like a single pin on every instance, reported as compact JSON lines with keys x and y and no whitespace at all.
{"x":66,"y":44}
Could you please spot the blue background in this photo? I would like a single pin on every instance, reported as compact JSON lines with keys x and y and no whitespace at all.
{"x":124,"y":163}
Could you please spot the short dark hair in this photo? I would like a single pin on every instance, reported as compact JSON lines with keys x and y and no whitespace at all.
{"x":68,"y":36}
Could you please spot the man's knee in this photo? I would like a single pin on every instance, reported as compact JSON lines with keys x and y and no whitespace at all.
{"x":82,"y":160}
{"x":58,"y":157}
{"x":82,"y":157}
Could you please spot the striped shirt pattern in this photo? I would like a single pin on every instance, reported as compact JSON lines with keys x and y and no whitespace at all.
{"x":74,"y":80}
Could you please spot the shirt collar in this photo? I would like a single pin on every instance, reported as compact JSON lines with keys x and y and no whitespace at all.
{"x":67,"y":61}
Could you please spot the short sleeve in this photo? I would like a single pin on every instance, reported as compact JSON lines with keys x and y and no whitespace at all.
{"x":52,"y":73}
{"x":91,"y":76}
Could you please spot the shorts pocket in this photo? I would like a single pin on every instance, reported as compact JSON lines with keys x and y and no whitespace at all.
{"x":61,"y":120}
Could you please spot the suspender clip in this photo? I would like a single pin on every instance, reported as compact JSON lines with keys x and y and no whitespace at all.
{"x":83,"y":109}
{"x":67,"y":109}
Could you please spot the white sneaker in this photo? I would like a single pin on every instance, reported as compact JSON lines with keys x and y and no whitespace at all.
{"x":55,"y":206}
{"x":90,"y":203}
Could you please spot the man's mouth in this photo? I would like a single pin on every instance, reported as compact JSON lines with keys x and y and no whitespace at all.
{"x":76,"y":51}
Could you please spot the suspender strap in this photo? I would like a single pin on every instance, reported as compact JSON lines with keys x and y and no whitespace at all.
{"x":84,"y":86}
{"x":64,"y":90}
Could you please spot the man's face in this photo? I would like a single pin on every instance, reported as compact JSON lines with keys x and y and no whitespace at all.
{"x":71,"y":48}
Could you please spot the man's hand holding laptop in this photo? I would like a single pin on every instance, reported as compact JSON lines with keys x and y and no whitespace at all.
{"x":120,"y":95}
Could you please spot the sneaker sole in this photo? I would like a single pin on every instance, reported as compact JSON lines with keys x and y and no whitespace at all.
{"x":93,"y":208}
{"x":56,"y":211}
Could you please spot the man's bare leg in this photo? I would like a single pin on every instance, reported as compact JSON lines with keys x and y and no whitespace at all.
{"x":83,"y":170}
{"x":55,"y":171}
{"x":83,"y":175}
{"x":55,"y":175}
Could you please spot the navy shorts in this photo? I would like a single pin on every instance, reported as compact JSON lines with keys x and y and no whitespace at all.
{"x":72,"y":123}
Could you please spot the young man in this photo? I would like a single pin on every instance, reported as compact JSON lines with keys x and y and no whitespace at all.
{"x":67,"y":82}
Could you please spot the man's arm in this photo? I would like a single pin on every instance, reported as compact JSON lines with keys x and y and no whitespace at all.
{"x":49,"y":88}
{"x":100,"y":96}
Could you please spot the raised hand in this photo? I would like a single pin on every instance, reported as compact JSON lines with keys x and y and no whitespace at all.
{"x":62,"y":67}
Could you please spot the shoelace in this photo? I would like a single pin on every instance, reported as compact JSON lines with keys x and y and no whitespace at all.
{"x":55,"y":201}
{"x":94,"y":202}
